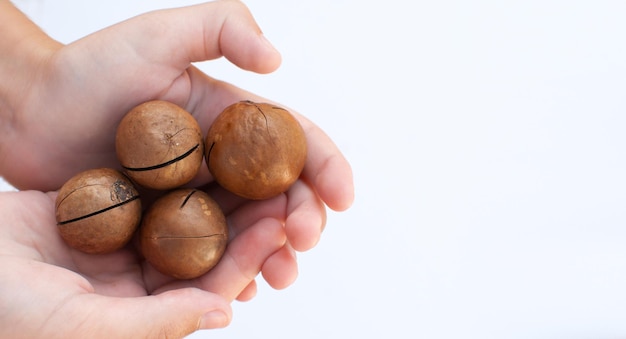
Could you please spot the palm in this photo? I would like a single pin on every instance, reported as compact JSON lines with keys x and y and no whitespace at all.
{"x":47,"y":276}
{"x":50,"y":276}
{"x":33,"y":235}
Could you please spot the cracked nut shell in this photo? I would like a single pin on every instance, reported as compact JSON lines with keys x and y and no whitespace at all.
{"x":255,"y":150}
{"x":183,"y":234}
{"x":97,"y":211}
{"x":159,"y":145}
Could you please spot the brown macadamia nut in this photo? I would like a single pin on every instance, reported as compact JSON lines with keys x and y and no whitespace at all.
{"x":255,"y":150}
{"x":183,"y":234}
{"x":97,"y":211}
{"x":159,"y":145}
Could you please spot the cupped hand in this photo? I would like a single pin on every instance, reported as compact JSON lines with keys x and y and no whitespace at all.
{"x":49,"y":290}
{"x":65,"y":121}
{"x":66,"y":112}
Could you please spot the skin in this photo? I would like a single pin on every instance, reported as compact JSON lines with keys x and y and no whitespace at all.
{"x":59,"y":107}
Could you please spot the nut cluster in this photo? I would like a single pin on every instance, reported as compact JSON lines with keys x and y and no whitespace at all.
{"x":255,"y":150}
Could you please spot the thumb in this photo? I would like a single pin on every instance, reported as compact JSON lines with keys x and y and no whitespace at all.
{"x":172,"y":314}
{"x":143,"y":57}
{"x":201,"y":32}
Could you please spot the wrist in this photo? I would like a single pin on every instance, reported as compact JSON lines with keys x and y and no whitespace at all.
{"x":24,"y":49}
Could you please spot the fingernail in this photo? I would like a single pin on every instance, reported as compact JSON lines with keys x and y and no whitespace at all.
{"x":215,"y":319}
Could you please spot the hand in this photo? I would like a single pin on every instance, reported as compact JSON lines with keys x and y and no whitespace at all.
{"x":48,"y":290}
{"x":62,"y":108}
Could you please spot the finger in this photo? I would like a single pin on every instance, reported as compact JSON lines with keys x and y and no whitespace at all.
{"x":248,"y":292}
{"x":202,"y":32}
{"x":306,"y":217}
{"x":253,"y":211}
{"x":244,"y":258}
{"x":155,"y":49}
{"x":281,"y":269}
{"x":171,"y":314}
{"x":327,"y":169}
{"x":230,"y":30}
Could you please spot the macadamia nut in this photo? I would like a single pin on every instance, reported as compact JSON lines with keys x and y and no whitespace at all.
{"x":255,"y":150}
{"x":183,"y":234}
{"x":97,"y":211}
{"x":159,"y":145}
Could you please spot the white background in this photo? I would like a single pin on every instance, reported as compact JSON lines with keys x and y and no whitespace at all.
{"x":488,"y":147}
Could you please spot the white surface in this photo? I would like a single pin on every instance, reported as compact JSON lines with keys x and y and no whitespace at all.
{"x":487,"y":140}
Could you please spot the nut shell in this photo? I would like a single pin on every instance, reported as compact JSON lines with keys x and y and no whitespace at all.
{"x":159,"y":145}
{"x":255,"y":150}
{"x":184,"y":234}
{"x":97,"y":211}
